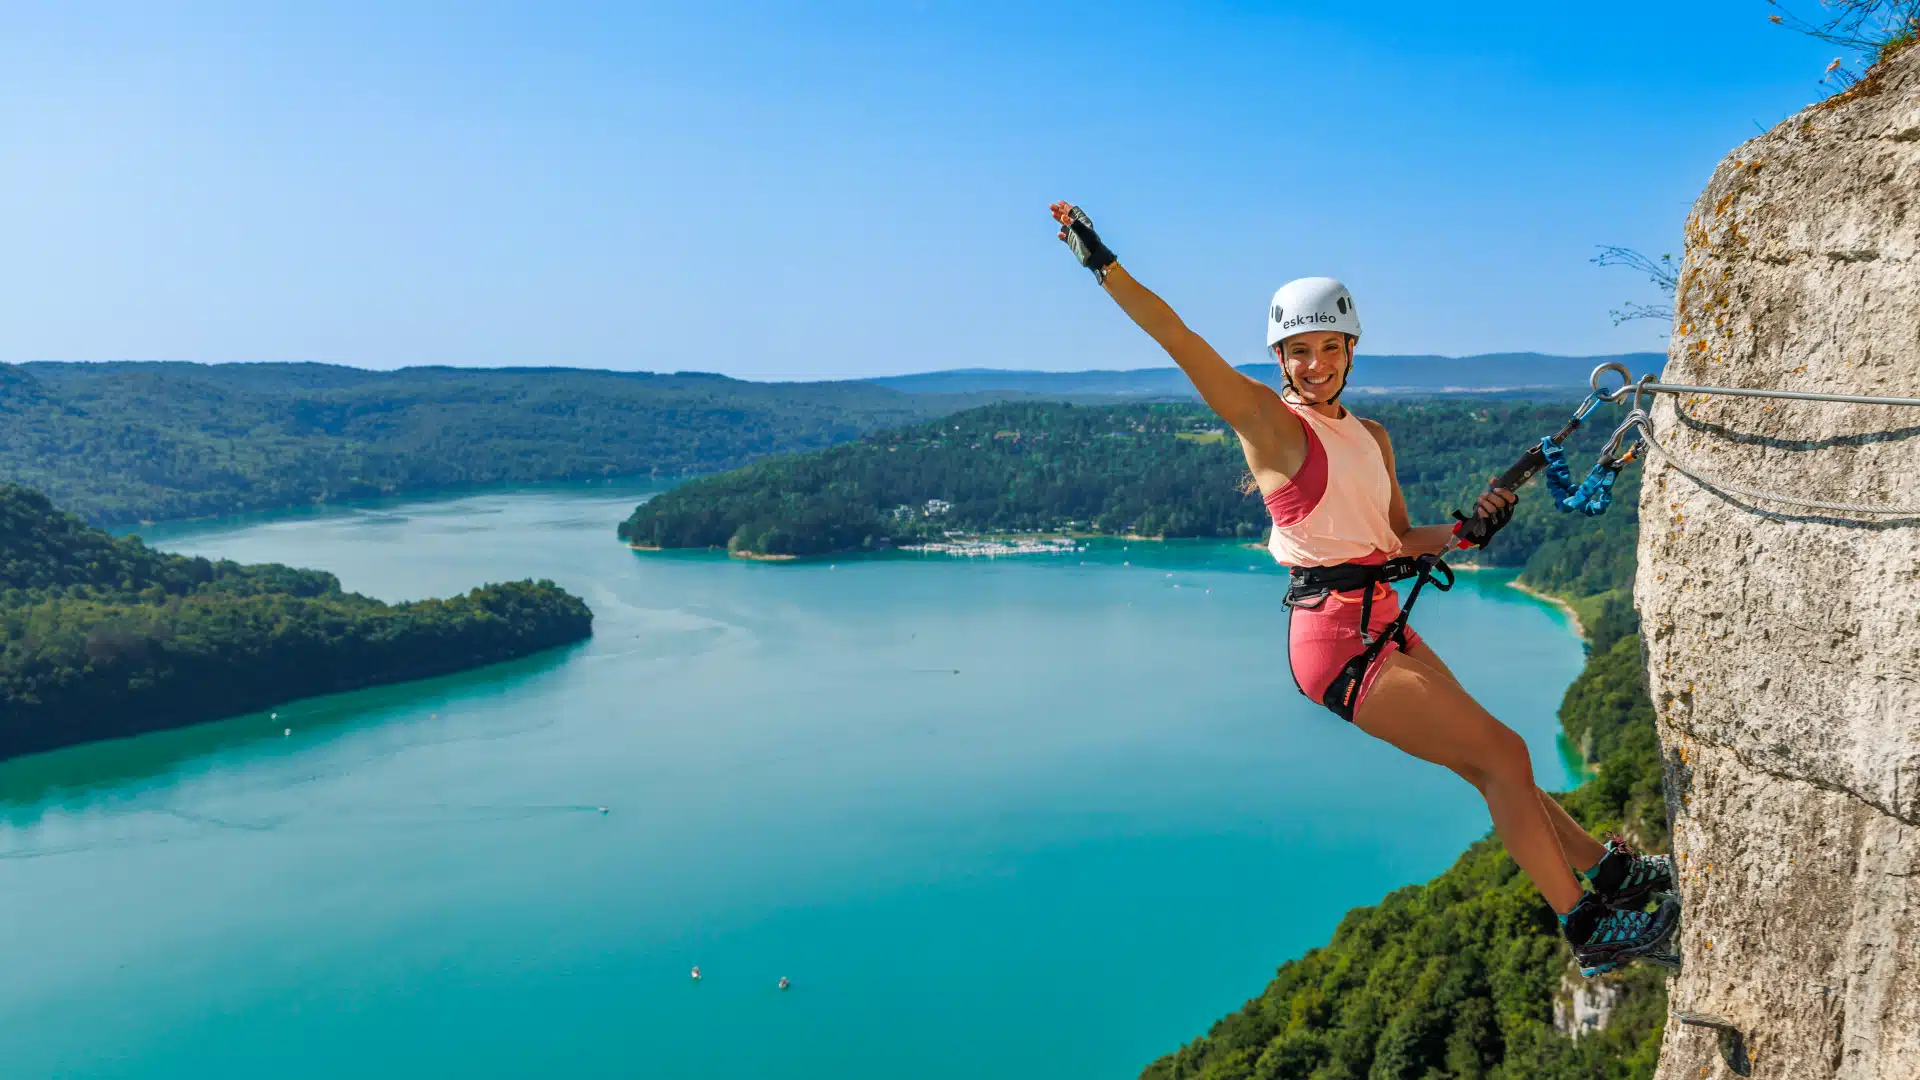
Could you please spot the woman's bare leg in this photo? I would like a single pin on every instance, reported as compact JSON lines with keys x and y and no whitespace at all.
{"x":1582,"y":850}
{"x":1428,"y":715}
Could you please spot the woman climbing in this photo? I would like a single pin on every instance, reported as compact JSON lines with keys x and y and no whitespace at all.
{"x":1340,"y":523}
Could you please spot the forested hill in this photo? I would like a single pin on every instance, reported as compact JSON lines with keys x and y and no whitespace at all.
{"x":1162,"y":470}
{"x":106,"y":637}
{"x":124,"y":442}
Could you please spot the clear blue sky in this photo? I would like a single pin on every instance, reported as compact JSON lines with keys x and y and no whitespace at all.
{"x":840,"y":190}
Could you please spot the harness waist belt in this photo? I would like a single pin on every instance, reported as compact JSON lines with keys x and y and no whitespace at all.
{"x":1311,"y":585}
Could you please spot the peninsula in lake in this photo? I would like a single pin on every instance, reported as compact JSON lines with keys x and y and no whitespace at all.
{"x":105,"y":637}
{"x":1151,"y":470}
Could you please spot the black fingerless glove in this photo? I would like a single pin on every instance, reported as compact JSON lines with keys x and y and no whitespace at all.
{"x":1478,"y":531}
{"x":1086,"y":245}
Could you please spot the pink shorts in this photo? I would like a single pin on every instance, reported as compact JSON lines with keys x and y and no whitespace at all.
{"x":1321,"y":640}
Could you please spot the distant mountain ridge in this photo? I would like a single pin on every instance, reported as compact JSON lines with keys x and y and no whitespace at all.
{"x":1373,"y":374}
{"x":122,"y":442}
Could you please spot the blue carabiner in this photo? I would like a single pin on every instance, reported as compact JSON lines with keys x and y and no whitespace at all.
{"x":1593,"y":402}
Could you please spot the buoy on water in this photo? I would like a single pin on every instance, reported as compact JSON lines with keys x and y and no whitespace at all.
{"x":286,"y":733}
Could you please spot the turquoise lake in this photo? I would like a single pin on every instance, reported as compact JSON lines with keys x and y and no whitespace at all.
{"x":1044,"y":816}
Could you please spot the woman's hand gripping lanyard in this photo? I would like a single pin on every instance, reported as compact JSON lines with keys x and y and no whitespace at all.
{"x":1477,"y":531}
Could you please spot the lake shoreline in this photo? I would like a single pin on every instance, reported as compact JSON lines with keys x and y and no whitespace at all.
{"x":750,"y":556}
{"x":298,"y":509}
{"x":1573,"y":617}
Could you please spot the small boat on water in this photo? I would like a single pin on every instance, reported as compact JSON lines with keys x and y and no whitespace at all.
{"x":696,"y":973}
{"x":784,"y":983}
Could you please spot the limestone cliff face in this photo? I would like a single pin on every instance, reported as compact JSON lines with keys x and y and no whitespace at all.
{"x":1783,"y":645}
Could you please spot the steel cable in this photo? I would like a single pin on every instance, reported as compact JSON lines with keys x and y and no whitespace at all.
{"x":1645,"y":424}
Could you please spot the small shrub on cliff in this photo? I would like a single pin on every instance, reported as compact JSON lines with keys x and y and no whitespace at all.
{"x":1873,"y":30}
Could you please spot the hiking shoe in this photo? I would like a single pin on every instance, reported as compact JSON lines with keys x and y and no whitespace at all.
{"x":1624,"y":878}
{"x":1604,"y":939}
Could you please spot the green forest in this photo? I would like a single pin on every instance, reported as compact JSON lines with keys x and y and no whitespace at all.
{"x":105,"y":637}
{"x":124,"y":442}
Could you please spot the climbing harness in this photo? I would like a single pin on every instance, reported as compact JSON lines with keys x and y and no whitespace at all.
{"x":1309,"y":587}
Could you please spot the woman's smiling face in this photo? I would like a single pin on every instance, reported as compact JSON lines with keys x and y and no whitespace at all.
{"x":1316,"y":364}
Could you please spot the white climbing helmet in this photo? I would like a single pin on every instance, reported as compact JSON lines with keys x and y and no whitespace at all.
{"x":1307,"y":304}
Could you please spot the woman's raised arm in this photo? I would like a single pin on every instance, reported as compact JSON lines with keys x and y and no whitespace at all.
{"x":1239,"y":399}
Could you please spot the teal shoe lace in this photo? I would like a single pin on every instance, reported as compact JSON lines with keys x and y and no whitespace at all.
{"x":1641,"y":869}
{"x":1617,"y":927}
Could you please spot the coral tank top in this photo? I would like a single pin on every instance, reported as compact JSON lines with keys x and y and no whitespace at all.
{"x":1334,"y":509}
